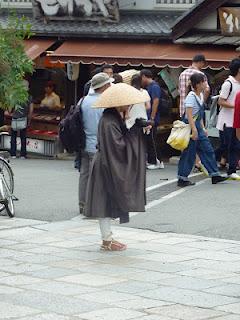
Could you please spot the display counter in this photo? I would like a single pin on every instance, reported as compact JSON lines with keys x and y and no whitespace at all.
{"x":42,"y":134}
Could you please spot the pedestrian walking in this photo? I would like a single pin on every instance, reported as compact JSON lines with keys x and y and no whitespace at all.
{"x":116,"y":183}
{"x":199,"y":142}
{"x":198,"y":63}
{"x":154,"y":92}
{"x":21,"y":119}
{"x":227,"y":97}
{"x":99,"y":83}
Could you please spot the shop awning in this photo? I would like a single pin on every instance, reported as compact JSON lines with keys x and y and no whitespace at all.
{"x":34,"y":47}
{"x":147,"y":54}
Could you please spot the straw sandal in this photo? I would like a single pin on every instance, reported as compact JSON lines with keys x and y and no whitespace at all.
{"x":113,"y":246}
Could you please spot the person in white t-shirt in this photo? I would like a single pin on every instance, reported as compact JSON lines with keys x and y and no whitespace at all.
{"x":227,"y":97}
{"x":137,"y":111}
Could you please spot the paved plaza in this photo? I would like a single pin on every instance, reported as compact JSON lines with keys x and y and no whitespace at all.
{"x":55,"y":271}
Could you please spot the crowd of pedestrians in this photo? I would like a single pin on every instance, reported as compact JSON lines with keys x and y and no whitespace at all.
{"x":121,"y":115}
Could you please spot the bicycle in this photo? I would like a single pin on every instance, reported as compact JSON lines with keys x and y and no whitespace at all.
{"x":6,"y":185}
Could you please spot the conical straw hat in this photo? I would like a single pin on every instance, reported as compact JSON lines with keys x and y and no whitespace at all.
{"x":120,"y":94}
{"x":128,"y":74}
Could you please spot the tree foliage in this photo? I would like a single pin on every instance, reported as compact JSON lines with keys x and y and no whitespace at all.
{"x":14,"y":63}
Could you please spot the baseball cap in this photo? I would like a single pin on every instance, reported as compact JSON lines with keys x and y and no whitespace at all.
{"x":100,"y":79}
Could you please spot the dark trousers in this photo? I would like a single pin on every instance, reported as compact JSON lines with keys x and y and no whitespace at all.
{"x":151,"y":146}
{"x":221,"y":151}
{"x":232,"y":148}
{"x":204,"y":149}
{"x":23,"y":138}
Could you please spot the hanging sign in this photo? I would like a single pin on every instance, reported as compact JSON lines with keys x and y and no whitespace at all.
{"x":72,"y":71}
{"x":168,"y":79}
{"x":91,"y":10}
{"x":230,"y":20}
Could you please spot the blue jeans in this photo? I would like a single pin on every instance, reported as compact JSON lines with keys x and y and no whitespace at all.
{"x":205,"y":151}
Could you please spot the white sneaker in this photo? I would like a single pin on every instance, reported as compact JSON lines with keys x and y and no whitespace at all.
{"x":234,"y":176}
{"x":13,"y":157}
{"x":158,"y":165}
{"x":152,"y":167}
{"x":161,"y":165}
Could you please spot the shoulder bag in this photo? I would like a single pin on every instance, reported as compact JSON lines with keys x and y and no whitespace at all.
{"x":181,"y":133}
{"x":19,"y":123}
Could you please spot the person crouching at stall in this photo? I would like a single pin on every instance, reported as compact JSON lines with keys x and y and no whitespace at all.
{"x":199,"y":142}
{"x":116,"y":184}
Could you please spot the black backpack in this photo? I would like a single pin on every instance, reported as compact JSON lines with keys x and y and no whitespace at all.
{"x":165,"y":103}
{"x":71,"y":130}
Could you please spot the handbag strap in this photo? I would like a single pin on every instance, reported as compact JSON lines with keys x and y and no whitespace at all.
{"x":198,"y":114}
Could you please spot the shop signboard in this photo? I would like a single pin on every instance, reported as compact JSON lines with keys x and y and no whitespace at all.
{"x":230,"y":20}
{"x":169,"y":81}
{"x":93,"y":10}
{"x":37,"y":146}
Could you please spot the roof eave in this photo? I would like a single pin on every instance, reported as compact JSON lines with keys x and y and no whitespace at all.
{"x":151,"y":36}
{"x":194,"y":16}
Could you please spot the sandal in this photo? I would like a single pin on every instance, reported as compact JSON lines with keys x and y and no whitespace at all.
{"x":113,"y":246}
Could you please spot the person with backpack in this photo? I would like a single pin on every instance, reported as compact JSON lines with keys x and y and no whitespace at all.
{"x":90,"y":119}
{"x":198,"y":63}
{"x":227,"y":97}
{"x":199,"y":142}
{"x":153,"y":113}
{"x":108,"y":69}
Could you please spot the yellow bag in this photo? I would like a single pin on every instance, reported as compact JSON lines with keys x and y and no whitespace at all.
{"x":180,"y":135}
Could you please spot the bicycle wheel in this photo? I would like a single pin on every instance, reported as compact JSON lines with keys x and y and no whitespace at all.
{"x":6,"y":173}
{"x":6,"y":197}
{"x":9,"y":206}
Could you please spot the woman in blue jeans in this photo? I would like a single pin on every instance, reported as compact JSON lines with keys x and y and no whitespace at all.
{"x":199,"y":142}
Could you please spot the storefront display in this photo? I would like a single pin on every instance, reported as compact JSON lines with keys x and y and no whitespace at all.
{"x":42,"y":133}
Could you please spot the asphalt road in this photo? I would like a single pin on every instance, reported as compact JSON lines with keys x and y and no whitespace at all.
{"x":48,"y":190}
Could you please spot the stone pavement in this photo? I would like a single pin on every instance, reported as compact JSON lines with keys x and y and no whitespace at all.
{"x":55,"y":271}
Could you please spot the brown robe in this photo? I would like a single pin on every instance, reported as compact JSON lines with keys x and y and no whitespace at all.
{"x":117,"y":178}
